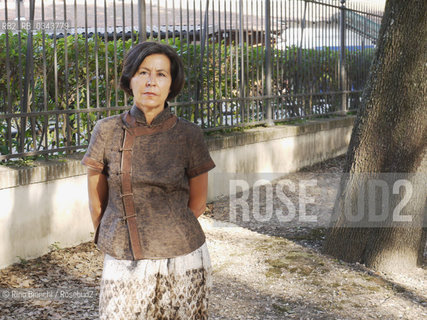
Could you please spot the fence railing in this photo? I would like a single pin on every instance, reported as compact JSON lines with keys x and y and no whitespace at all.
{"x":247,"y":62}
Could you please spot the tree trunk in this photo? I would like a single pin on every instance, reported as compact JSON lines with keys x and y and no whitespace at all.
{"x":389,"y":140}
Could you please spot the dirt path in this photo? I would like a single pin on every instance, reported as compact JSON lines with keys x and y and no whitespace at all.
{"x":262,"y":271}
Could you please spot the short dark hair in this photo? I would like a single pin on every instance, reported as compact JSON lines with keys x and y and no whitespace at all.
{"x":138,"y":53}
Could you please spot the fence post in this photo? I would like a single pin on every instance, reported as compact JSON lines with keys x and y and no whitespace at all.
{"x":28,"y":77}
{"x":241,"y":64}
{"x":267,"y":68}
{"x":142,"y":23}
{"x":343,"y":73}
{"x":197,"y":112}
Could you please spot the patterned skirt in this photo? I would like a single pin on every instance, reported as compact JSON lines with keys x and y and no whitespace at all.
{"x":175,"y":288}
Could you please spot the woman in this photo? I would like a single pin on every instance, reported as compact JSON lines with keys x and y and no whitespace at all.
{"x":147,"y":184}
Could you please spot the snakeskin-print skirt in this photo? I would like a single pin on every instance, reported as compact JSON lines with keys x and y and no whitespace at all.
{"x":174,"y":289}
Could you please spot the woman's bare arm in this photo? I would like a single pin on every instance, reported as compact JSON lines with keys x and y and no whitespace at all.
{"x":198,"y":194}
{"x":98,"y":195}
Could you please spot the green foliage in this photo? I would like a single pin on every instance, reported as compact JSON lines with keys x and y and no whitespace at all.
{"x":79,"y":72}
{"x":54,"y":246}
{"x":22,"y":261}
{"x":20,"y":163}
{"x":72,"y":72}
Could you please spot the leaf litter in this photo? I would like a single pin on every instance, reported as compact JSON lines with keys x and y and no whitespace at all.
{"x":262,"y":271}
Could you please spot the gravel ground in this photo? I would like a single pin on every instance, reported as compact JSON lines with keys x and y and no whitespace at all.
{"x":261,"y":270}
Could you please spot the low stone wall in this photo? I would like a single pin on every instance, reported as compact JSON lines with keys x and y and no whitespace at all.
{"x":41,"y":206}
{"x":48,"y":204}
{"x":268,"y":153}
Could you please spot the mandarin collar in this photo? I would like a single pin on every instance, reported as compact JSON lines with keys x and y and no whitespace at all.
{"x":141,"y":120}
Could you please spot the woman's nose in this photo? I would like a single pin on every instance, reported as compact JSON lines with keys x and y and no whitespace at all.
{"x":151,"y":81}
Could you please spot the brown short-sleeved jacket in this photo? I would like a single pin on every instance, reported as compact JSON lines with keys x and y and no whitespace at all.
{"x":163,"y":157}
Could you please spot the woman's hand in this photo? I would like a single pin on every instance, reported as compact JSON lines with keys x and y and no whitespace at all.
{"x":198,"y":194}
{"x":98,"y":195}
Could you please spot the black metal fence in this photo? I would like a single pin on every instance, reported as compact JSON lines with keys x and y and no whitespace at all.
{"x":247,"y":62}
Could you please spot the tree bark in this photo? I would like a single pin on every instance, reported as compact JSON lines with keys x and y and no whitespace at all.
{"x":389,"y":142}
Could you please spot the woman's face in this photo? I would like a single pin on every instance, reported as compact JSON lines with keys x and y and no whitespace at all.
{"x":152,"y":81}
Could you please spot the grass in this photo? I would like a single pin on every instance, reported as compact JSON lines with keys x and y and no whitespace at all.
{"x":22,"y":261}
{"x":296,"y":262}
{"x":273,"y":272}
{"x":277,"y":263}
{"x":55,"y":246}
{"x":293,"y":121}
{"x":19,"y":163}
{"x":32,"y":161}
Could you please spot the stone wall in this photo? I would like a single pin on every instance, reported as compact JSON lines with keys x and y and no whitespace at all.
{"x":48,"y":204}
